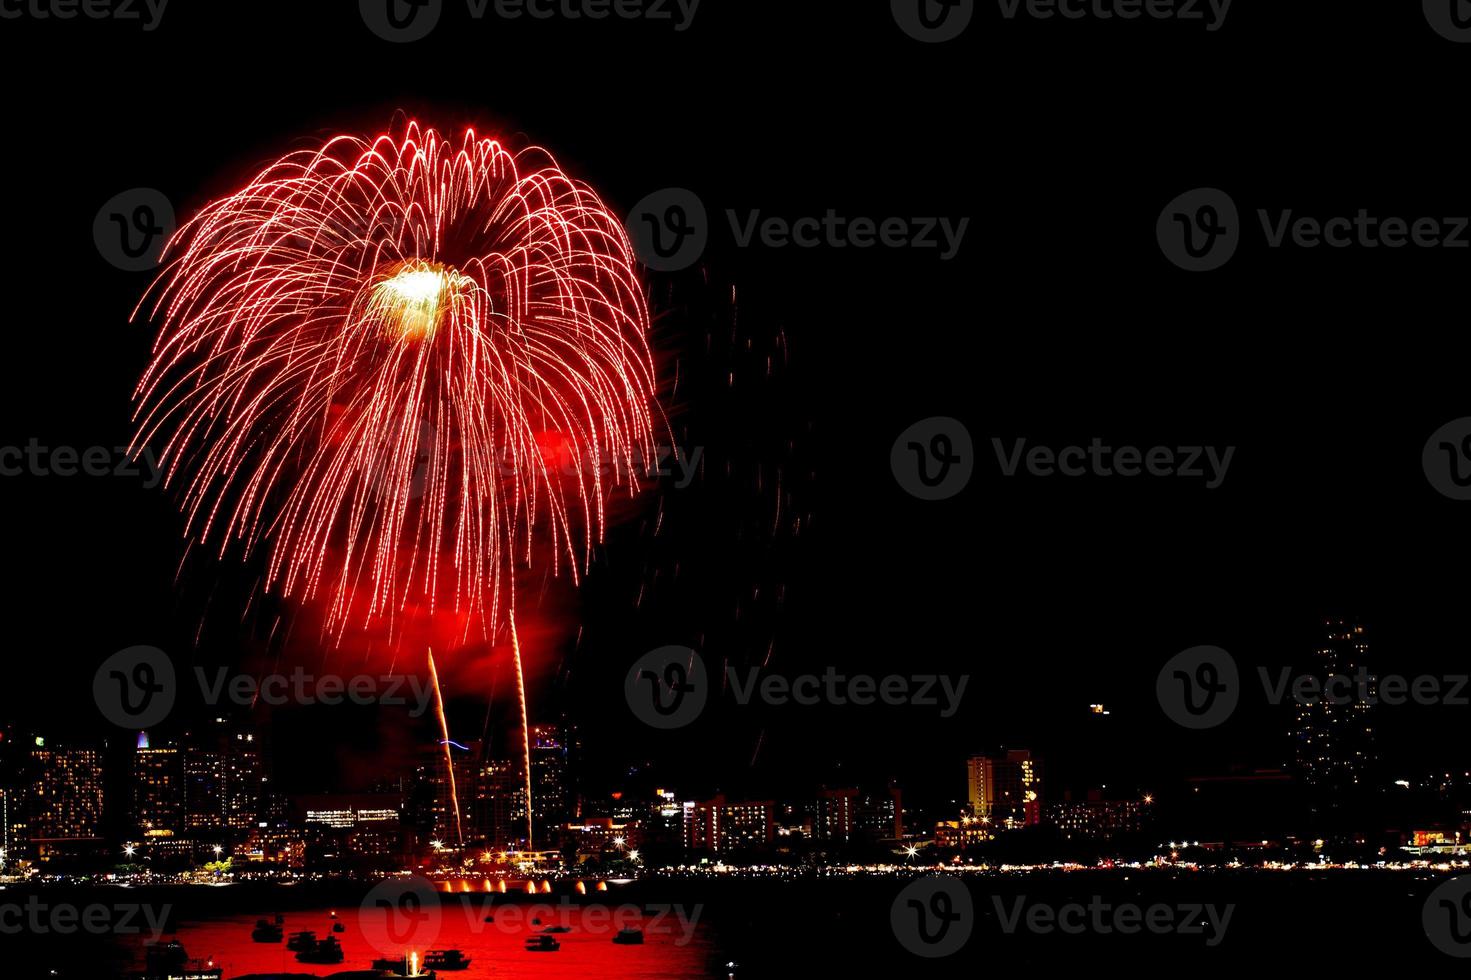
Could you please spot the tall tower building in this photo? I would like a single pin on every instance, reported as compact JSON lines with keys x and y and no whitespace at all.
{"x":1006,"y":787}
{"x":64,"y":800}
{"x":436,"y":794}
{"x":205,"y":791}
{"x":245,"y":781}
{"x":1333,"y":737}
{"x":158,"y":789}
{"x":224,"y":778}
{"x":552,"y":798}
{"x":499,"y":807}
{"x":14,"y":761}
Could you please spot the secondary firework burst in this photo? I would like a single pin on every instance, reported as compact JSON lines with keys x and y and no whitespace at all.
{"x":364,"y":356}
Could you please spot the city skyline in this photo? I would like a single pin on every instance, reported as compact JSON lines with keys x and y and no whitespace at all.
{"x":208,"y":793}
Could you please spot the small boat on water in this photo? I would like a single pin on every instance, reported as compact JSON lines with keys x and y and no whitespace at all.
{"x":542,"y":944}
{"x":629,"y":937}
{"x":446,"y":959}
{"x":170,"y":961}
{"x":338,"y":927}
{"x":266,"y":932}
{"x":300,"y":941}
{"x":556,"y":929}
{"x":327,"y":950}
{"x":401,"y":967}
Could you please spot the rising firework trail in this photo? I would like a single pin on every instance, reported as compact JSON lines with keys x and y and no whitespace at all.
{"x":449,"y":761}
{"x":403,"y":369}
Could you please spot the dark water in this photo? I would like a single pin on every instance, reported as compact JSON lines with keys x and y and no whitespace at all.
{"x":1339,"y":921}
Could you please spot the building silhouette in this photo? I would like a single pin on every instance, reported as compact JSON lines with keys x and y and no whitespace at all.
{"x":1333,"y":734}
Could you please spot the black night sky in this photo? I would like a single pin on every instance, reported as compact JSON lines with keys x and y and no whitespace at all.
{"x":1059,"y":321}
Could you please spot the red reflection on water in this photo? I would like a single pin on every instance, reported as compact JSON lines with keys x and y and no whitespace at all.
{"x":672,"y":948}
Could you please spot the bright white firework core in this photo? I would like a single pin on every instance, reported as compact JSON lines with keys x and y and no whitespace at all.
{"x":410,"y":301}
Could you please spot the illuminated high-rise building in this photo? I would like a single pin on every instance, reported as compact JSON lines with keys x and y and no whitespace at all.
{"x":499,"y":804}
{"x":1333,"y":737}
{"x":14,"y":761}
{"x":158,"y":790}
{"x":224,"y":781}
{"x":64,"y":798}
{"x":837,"y":811}
{"x":553,"y":784}
{"x":1006,"y":788}
{"x":432,"y":804}
{"x":245,"y":781}
{"x":719,"y":826}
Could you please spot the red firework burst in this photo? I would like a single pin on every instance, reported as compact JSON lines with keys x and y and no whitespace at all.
{"x":365,"y":351}
{"x":364,"y":355}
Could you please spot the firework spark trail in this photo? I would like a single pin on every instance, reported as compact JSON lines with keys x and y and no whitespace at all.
{"x":362,"y":354}
{"x":449,"y":761}
{"x":525,"y":728}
